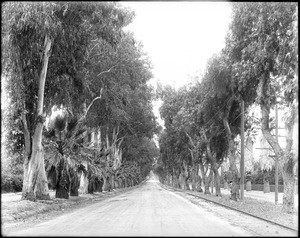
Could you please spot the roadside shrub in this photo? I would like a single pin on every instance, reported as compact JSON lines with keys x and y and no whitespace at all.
{"x":257,"y":177}
{"x":12,"y":174}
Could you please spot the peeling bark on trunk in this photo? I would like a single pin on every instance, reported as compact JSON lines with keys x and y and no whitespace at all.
{"x":33,"y":172}
{"x":41,"y":189}
{"x":35,"y":184}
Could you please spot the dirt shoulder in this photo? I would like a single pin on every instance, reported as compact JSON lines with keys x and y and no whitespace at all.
{"x":256,"y":207}
{"x":19,"y":214}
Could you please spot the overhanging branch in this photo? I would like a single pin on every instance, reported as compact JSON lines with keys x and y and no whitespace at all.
{"x":88,"y":108}
{"x":190,"y":139}
{"x":107,"y":71}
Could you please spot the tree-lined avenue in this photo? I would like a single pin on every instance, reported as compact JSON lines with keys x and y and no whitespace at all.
{"x":148,"y":210}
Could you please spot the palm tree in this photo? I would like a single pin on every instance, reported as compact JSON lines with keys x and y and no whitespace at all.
{"x":63,"y":158}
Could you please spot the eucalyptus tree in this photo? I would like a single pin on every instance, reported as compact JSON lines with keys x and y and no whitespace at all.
{"x":263,"y":54}
{"x":50,"y":40}
{"x":192,"y":134}
{"x":191,"y":124}
{"x":122,"y":72}
{"x":176,"y":153}
{"x":212,"y":135}
{"x":226,"y":94}
{"x":163,"y":168}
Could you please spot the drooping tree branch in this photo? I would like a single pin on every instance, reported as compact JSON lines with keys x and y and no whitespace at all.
{"x":88,"y":108}
{"x":107,"y":71}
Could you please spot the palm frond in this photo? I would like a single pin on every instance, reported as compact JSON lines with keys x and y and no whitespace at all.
{"x":52,"y":159}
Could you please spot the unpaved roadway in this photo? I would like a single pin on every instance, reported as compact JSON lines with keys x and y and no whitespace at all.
{"x":147,"y":210}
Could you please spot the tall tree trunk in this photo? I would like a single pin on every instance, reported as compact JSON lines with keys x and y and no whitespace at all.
{"x":233,"y":171}
{"x":207,"y":182}
{"x":289,"y":186}
{"x":27,"y":150}
{"x":206,"y":178}
{"x":217,"y":180}
{"x":34,"y":169}
{"x":196,"y":179}
{"x":182,"y":184}
{"x":186,"y":176}
{"x":41,"y":189}
{"x":214,"y":166}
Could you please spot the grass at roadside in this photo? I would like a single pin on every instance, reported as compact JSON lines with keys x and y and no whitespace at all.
{"x":260,"y":208}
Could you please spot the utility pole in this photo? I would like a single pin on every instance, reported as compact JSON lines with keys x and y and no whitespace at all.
{"x":242,"y":153}
{"x":276,"y":158}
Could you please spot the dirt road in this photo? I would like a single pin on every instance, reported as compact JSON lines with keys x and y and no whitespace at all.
{"x":148,"y":210}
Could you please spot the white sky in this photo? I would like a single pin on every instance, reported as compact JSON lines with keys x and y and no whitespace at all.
{"x":179,"y":37}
